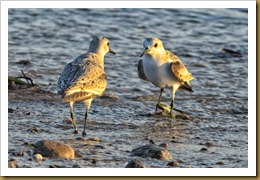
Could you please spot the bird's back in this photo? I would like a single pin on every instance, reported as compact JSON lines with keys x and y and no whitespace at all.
{"x":84,"y":78}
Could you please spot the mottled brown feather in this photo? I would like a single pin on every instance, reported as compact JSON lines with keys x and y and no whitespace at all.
{"x":90,"y":84}
{"x":179,"y":69}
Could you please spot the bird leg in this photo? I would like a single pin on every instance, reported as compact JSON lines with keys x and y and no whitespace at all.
{"x":73,"y":117}
{"x":159,"y":100}
{"x":174,"y":89}
{"x":85,"y":123}
{"x":171,"y":108}
{"x":88,"y":103}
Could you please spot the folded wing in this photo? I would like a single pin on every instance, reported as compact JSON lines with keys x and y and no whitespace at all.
{"x":140,"y":70}
{"x":82,"y":80}
{"x":181,"y":72}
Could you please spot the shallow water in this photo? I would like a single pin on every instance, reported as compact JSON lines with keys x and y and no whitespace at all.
{"x":50,"y":38}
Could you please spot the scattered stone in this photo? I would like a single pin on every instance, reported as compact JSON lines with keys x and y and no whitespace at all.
{"x":173,"y":163}
{"x":135,"y":163}
{"x":23,"y":62}
{"x":203,"y":149}
{"x":99,"y":147}
{"x":34,"y":130}
{"x":78,"y":154}
{"x":56,"y":166}
{"x":94,"y":139}
{"x":209,"y":144}
{"x":94,"y":161}
{"x":10,"y":110}
{"x":229,"y":51}
{"x":38,"y":157}
{"x":152,"y":151}
{"x":163,"y":145}
{"x":79,"y":139}
{"x":12,"y":164}
{"x":76,"y":166}
{"x":220,"y":163}
{"x":51,"y":148}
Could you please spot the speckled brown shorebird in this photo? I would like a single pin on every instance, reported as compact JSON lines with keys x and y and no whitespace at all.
{"x":163,"y":69}
{"x":84,"y":78}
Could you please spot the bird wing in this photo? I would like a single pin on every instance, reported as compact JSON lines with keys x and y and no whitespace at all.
{"x":140,"y":70}
{"x":82,"y":80}
{"x":180,"y":71}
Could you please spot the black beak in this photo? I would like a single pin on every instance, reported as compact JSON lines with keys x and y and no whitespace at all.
{"x":143,"y":52}
{"x":111,"y":51}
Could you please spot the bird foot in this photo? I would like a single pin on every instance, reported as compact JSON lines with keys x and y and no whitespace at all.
{"x":84,"y":133}
{"x":165,"y":109}
{"x":75,"y":131}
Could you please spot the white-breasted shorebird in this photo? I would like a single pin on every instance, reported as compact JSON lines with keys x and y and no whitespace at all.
{"x":84,"y":78}
{"x":163,"y":69}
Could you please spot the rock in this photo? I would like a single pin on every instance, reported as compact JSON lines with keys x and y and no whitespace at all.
{"x":10,"y":110}
{"x":163,"y":145}
{"x":173,"y":163}
{"x":76,"y":166}
{"x":135,"y":163}
{"x":51,"y":148}
{"x":38,"y":157}
{"x":209,"y":144}
{"x":220,"y":163}
{"x":94,"y":139}
{"x":203,"y":149}
{"x":12,"y":164}
{"x":152,"y":151}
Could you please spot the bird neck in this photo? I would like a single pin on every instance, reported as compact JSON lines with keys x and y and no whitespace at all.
{"x":159,"y":56}
{"x":96,"y":58}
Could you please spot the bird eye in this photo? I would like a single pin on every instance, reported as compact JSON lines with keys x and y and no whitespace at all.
{"x":108,"y":43}
{"x":155,"y":45}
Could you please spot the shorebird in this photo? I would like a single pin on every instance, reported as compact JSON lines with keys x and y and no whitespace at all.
{"x":84,"y":78}
{"x":163,"y":69}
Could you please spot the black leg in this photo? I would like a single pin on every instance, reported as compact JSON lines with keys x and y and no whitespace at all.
{"x":85,"y":123}
{"x":73,"y":117}
{"x":171,"y":107}
{"x":159,"y":100}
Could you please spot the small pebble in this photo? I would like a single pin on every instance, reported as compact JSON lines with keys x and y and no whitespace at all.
{"x":220,"y":163}
{"x":10,"y":110}
{"x":94,"y":139}
{"x":163,"y":145}
{"x":173,"y":163}
{"x":135,"y":163}
{"x":76,"y":166}
{"x":94,"y":161}
{"x":209,"y":144}
{"x":38,"y":157}
{"x":12,"y":164}
{"x":203,"y":149}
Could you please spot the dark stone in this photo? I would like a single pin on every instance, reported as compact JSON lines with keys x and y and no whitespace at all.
{"x":152,"y":151}
{"x":209,"y":144}
{"x":135,"y":163}
{"x":203,"y":149}
{"x":220,"y":163}
{"x":10,"y":110}
{"x":173,"y":163}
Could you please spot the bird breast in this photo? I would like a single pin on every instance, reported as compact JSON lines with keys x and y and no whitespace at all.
{"x":159,"y":74}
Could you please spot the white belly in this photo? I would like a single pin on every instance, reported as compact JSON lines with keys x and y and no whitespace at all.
{"x":159,"y":75}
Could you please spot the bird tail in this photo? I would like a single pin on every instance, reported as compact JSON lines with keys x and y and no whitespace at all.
{"x":186,"y":86}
